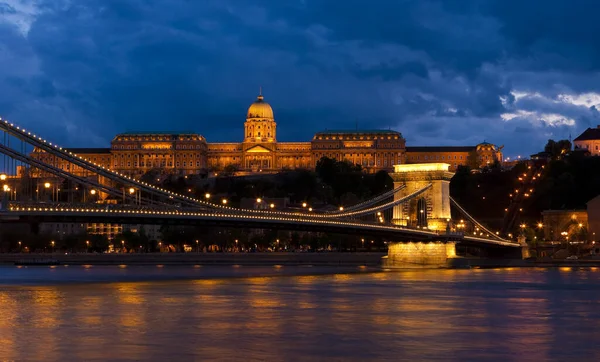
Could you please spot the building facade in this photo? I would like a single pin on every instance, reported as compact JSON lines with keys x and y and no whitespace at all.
{"x":188,"y":153}
{"x":589,"y":141}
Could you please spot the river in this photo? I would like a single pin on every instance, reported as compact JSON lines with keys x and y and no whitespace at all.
{"x":239,"y":314}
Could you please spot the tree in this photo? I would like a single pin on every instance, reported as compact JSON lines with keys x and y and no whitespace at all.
{"x":557,"y":149}
{"x":230,"y":170}
{"x":473,"y":160}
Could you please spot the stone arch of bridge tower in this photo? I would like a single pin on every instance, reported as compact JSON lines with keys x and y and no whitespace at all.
{"x":421,"y":212}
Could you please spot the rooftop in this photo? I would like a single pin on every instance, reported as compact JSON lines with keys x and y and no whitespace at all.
{"x":589,"y":134}
{"x":361,"y":131}
{"x":87,"y":150}
{"x":440,"y":148}
{"x":157,"y":133}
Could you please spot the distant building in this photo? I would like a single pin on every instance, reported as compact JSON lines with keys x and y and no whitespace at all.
{"x":589,"y":140}
{"x":593,"y":211}
{"x":557,"y":222}
{"x":188,"y":153}
{"x":541,"y":156}
{"x":486,"y":154}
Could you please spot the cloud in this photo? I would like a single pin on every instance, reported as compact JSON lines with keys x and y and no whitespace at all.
{"x":441,"y":72}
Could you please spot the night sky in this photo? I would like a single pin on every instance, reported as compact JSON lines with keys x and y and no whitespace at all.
{"x":447,"y":72}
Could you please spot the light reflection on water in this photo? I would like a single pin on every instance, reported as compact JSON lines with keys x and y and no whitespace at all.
{"x":459,"y":315}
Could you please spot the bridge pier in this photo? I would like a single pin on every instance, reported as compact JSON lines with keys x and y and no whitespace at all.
{"x":417,"y":254}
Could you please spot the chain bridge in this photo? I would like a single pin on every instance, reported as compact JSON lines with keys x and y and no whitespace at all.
{"x":418,"y":218}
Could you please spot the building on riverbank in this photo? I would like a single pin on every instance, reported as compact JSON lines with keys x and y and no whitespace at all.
{"x":189,"y":153}
{"x":562,"y":224}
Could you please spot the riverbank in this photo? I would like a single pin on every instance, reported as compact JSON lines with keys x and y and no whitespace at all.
{"x":248,"y":259}
{"x":269,"y":259}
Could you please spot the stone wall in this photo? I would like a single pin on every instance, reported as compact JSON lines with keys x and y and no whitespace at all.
{"x":419,"y":254}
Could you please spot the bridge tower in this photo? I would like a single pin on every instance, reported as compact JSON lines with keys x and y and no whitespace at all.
{"x":430,"y":209}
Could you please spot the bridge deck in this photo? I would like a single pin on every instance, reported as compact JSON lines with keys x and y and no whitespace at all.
{"x":133,"y":216}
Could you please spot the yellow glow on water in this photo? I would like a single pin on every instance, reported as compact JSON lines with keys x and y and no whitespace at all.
{"x":159,"y":265}
{"x":197,"y":266}
{"x":122,"y":266}
{"x":565,"y":269}
{"x":86,"y":266}
{"x":277,"y":266}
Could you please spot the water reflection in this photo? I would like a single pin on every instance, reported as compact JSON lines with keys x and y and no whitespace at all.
{"x":504,"y":315}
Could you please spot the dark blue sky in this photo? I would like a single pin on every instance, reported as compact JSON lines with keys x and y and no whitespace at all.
{"x":447,"y":72}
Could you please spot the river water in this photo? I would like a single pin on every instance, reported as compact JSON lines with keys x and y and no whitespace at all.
{"x":168,"y":314}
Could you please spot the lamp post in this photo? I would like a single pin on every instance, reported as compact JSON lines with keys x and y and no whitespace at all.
{"x":131,"y":192}
{"x":87,"y":244}
{"x":52,"y":244}
{"x":47,"y":186}
{"x":197,"y":247}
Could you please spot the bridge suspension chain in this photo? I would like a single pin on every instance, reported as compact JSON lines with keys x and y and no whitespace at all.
{"x":95,"y":168}
{"x":61,"y":173}
{"x":384,"y":206}
{"x":369,"y":202}
{"x":475,"y":222}
{"x":85,"y":164}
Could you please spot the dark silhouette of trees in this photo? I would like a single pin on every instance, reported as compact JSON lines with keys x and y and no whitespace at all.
{"x":557,"y":149}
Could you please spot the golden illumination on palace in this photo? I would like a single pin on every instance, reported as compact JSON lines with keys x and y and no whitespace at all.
{"x":424,"y":167}
{"x":188,"y":153}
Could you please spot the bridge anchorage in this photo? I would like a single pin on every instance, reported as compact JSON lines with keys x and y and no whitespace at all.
{"x":415,"y":217}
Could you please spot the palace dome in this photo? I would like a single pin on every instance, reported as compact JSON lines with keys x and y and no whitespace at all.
{"x":260,"y":109}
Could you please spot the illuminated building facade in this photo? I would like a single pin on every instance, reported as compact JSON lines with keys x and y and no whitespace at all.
{"x":136,"y":153}
{"x":589,"y":141}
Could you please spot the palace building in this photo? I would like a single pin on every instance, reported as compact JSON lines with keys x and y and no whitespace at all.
{"x":188,"y":153}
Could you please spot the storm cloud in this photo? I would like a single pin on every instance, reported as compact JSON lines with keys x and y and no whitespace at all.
{"x":451,"y":72}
